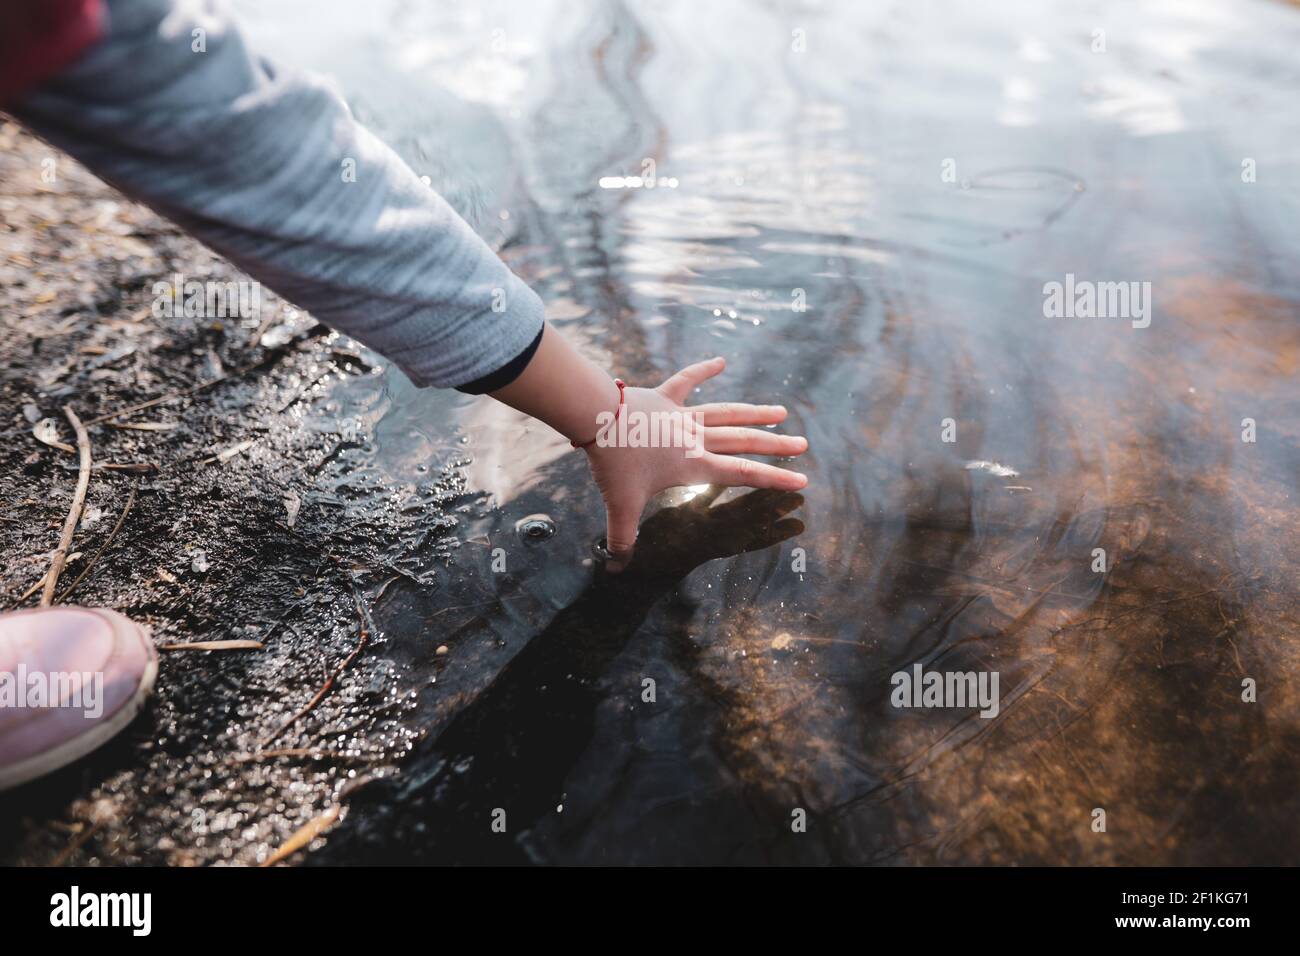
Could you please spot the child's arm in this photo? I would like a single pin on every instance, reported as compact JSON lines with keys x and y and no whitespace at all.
{"x":269,"y":168}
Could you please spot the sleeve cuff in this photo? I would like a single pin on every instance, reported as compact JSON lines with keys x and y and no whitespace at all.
{"x":506,"y":373}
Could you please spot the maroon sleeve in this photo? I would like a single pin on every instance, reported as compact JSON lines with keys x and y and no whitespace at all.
{"x":40,"y":37}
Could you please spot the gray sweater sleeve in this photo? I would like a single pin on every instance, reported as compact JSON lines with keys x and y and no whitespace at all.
{"x":268,"y":168}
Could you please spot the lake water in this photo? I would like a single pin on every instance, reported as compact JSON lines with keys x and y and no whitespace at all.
{"x":859,"y":205}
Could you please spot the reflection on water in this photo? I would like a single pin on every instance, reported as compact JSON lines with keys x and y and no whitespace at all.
{"x":864,"y":228}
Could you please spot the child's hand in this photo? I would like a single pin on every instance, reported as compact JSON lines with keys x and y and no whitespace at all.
{"x":569,"y":392}
{"x":712,"y":435}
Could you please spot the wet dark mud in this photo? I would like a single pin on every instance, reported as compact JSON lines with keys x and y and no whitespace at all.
{"x":207,"y":550}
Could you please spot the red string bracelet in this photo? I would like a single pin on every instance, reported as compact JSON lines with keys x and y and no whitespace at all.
{"x":621,"y":385}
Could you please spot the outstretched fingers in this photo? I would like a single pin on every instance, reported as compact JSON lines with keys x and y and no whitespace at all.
{"x":739,"y":413}
{"x":753,"y":441}
{"x":746,"y":473}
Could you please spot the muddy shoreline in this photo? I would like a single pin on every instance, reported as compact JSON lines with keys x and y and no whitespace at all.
{"x":208,"y":550}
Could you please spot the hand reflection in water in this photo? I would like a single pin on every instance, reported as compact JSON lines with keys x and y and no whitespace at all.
{"x":514,"y":745}
{"x":676,"y":540}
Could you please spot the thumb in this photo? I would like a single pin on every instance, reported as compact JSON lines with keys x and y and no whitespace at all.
{"x":621,"y":520}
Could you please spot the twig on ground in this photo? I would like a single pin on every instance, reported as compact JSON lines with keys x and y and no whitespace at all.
{"x":123,"y":468}
{"x":144,"y":426}
{"x":86,"y":833}
{"x":233,"y":645}
{"x":362,"y":640}
{"x":230,"y":452}
{"x":383,"y":589}
{"x":304,"y":835}
{"x":173,"y":396}
{"x":40,"y":583}
{"x":130,"y":500}
{"x":130,"y":468}
{"x":74,"y":513}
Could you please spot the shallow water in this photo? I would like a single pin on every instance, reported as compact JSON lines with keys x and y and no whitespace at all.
{"x":864,"y":229}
